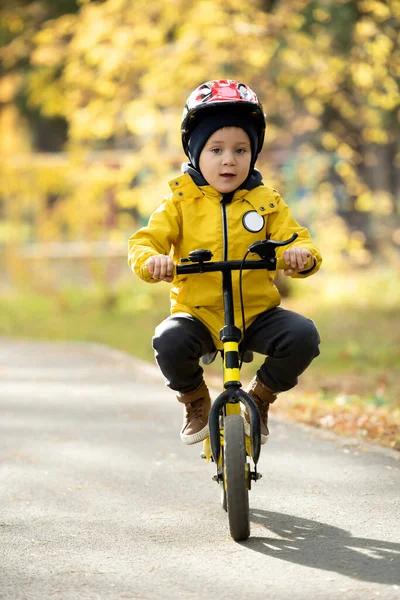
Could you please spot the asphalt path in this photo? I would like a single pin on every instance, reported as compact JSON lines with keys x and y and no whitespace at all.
{"x":101,"y":500}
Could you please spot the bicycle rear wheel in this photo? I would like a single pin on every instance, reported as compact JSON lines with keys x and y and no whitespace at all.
{"x":236,"y":474}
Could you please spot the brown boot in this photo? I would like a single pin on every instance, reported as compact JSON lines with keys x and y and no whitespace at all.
{"x":263,"y":396}
{"x":195,"y":418}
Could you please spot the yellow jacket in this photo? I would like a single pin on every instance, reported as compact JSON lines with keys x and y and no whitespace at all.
{"x":193,"y":217}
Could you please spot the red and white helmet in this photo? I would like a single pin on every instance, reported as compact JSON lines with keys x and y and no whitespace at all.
{"x":221,"y":93}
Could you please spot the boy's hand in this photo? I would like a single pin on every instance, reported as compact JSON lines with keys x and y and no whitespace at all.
{"x":161,"y":267}
{"x":296,"y":259}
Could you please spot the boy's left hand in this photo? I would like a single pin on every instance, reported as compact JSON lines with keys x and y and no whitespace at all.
{"x":296,"y":258}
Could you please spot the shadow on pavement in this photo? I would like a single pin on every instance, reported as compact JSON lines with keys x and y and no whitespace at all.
{"x":321,"y":546}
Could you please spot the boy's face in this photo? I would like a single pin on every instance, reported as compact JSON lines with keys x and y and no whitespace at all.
{"x":225,"y":159}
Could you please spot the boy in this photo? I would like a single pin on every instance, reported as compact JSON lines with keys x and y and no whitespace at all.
{"x":221,"y":204}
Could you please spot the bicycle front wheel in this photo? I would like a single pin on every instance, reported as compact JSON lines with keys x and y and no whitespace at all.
{"x":236,"y":474}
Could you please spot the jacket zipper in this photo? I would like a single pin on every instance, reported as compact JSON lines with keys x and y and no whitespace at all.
{"x":226,"y":199}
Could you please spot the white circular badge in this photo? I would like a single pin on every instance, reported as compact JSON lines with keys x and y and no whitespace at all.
{"x":253,"y":221}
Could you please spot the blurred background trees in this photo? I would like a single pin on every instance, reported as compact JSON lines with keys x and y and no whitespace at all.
{"x":91,"y":95}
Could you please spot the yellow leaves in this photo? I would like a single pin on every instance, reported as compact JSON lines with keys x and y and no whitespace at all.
{"x":302,"y":124}
{"x":50,"y":49}
{"x":94,"y":121}
{"x":14,"y":132}
{"x":305,"y":86}
{"x":321,"y":15}
{"x":99,"y":55}
{"x":345,"y":152}
{"x":387,"y":97}
{"x":329,"y":141}
{"x":242,"y":27}
{"x":122,"y":37}
{"x":314,"y":106}
{"x":9,"y":86}
{"x":257,"y":57}
{"x":47,"y":36}
{"x":119,"y":71}
{"x":48,"y":230}
{"x":379,"y":202}
{"x":296,"y":20}
{"x":326,"y":199}
{"x":395,"y":8}
{"x":363,"y":75}
{"x":150,"y":195}
{"x":292,"y":58}
{"x":141,"y":118}
{"x":383,"y":202}
{"x":375,"y":135}
{"x":48,"y":56}
{"x":208,"y":12}
{"x":379,"y":9}
{"x":344,"y":104}
{"x":346,"y":171}
{"x":358,"y":254}
{"x":323,"y":43}
{"x":12,"y":21}
{"x":364,"y":202}
{"x":371,"y":116}
{"x":43,"y":94}
{"x":92,"y":30}
{"x":380,"y":48}
{"x":127,"y":198}
{"x":106,"y":88}
{"x":122,"y":51}
{"x":364,"y":29}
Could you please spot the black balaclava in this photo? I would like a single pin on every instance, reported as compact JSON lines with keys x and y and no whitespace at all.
{"x":217,"y":120}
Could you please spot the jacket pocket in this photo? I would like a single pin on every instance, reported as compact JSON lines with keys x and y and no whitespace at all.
{"x":201,"y":289}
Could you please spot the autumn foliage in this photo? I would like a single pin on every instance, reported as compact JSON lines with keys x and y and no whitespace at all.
{"x":112,"y":77}
{"x":91,"y":97}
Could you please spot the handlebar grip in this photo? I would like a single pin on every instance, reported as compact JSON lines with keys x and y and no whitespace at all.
{"x":145,"y":273}
{"x":281,"y":264}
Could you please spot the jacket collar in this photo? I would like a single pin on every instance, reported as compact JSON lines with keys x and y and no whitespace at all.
{"x":192,"y":185}
{"x":253,"y":180}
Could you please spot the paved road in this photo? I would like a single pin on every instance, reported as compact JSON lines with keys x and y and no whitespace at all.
{"x":100,"y":500}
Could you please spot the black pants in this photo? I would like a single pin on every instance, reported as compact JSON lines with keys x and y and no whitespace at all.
{"x":289,"y":341}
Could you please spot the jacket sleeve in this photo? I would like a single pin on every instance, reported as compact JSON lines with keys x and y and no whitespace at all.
{"x":157,"y":237}
{"x":282,"y":225}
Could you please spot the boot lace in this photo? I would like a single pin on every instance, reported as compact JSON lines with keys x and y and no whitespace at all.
{"x":195,"y":409}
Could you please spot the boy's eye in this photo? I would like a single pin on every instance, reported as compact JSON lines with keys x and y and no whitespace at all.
{"x":240,"y":151}
{"x":216,"y":150}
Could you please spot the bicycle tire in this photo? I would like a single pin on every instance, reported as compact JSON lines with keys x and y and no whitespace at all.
{"x":237,"y":494}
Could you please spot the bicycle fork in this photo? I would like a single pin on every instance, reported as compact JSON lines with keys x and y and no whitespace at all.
{"x":229,"y":402}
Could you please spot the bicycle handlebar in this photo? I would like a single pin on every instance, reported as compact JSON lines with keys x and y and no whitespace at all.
{"x":268,"y":261}
{"x":270,"y":264}
{"x":228,"y":265}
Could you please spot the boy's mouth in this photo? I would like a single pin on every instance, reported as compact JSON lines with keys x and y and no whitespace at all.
{"x":228,"y":175}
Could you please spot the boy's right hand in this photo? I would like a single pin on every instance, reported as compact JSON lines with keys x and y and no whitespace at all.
{"x":161,"y":267}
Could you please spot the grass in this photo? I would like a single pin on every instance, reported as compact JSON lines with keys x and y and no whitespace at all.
{"x":125,"y":321}
{"x":353,"y":387}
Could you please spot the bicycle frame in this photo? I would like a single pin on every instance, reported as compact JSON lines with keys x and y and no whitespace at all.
{"x":230,"y":335}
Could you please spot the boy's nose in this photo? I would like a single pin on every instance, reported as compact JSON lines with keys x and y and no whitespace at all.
{"x":228,"y":158}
